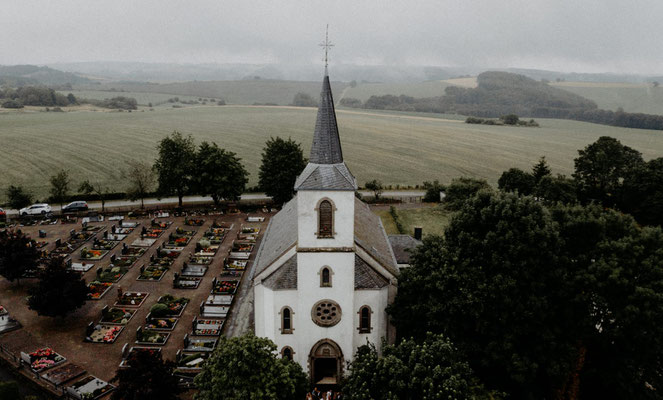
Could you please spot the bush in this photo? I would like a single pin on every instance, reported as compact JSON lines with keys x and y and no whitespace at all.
{"x":510,"y":119}
{"x":12,"y":104}
{"x":159,"y":310}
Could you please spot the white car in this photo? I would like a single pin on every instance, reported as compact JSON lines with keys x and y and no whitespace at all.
{"x":35,"y":209}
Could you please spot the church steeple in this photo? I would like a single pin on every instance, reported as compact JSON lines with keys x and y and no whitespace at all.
{"x":326,"y":169}
{"x":326,"y":148}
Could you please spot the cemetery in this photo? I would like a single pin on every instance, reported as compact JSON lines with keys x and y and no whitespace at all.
{"x":129,"y":257}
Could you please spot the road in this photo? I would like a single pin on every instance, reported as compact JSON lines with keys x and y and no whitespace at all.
{"x":191,"y":200}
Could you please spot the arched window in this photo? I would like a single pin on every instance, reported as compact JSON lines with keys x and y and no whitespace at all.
{"x":365,"y":319}
{"x":325,"y":277}
{"x":287,"y":352}
{"x":325,"y":219}
{"x":286,"y":320}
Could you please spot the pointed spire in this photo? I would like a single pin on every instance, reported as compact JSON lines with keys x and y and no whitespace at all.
{"x":326,"y":148}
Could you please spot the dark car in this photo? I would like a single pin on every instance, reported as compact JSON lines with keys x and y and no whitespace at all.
{"x":3,"y":215}
{"x":75,"y":206}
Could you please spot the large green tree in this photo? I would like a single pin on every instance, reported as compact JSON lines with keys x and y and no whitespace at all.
{"x":18,"y":197}
{"x":544,"y":302}
{"x":431,"y":369}
{"x":219,"y":173}
{"x":18,"y":254}
{"x":174,"y":165}
{"x":516,"y":180}
{"x":60,"y":186}
{"x":643,"y":193}
{"x":601,"y":168}
{"x":140,"y":177}
{"x":282,"y":162}
{"x":461,"y":189}
{"x":59,"y":292}
{"x":247,"y":368}
{"x":148,"y":377}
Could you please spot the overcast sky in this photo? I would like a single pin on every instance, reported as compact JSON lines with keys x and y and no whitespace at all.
{"x":574,"y":35}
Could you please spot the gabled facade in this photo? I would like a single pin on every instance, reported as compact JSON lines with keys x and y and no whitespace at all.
{"x":325,"y":271}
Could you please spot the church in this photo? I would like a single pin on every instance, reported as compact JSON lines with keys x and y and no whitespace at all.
{"x":325,"y":270}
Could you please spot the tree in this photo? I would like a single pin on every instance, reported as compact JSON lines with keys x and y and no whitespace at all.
{"x":148,"y":377}
{"x":141,"y":180}
{"x":18,"y":254}
{"x":72,"y":99}
{"x":219,"y":173}
{"x":561,"y":302}
{"x":433,"y":190}
{"x":376,"y":187}
{"x":247,"y":367}
{"x":432,"y":369}
{"x":643,"y":193}
{"x":557,"y":189}
{"x":516,"y":180}
{"x":282,"y":162}
{"x":60,"y":186}
{"x":60,"y":291}
{"x":174,"y":165}
{"x":18,"y":197}
{"x":102,"y":191}
{"x":510,"y":119}
{"x":601,"y":167}
{"x":304,"y":100}
{"x":462,"y":189}
{"x":541,"y":170}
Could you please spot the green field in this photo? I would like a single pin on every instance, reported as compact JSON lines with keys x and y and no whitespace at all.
{"x":420,"y":89}
{"x":433,"y":220}
{"x":261,"y":91}
{"x":631,"y":97}
{"x":394,"y":148}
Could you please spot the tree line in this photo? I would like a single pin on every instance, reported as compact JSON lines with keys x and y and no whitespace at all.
{"x":47,"y":97}
{"x":502,"y":93}
{"x":180,"y":169}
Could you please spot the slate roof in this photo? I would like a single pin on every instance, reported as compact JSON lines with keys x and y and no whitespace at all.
{"x":285,"y":277}
{"x":371,"y":236}
{"x":366,"y":277}
{"x":402,"y":246}
{"x":326,"y":148}
{"x":280,"y":235}
{"x":326,"y":177}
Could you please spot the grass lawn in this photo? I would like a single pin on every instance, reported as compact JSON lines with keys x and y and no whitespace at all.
{"x":433,"y":220}
{"x":394,"y":148}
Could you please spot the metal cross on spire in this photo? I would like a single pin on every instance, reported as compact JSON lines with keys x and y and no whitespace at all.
{"x":327,"y":45}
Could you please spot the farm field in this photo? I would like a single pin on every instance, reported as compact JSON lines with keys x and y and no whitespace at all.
{"x":364,"y":91}
{"x":637,"y":98}
{"x":394,"y":148}
{"x":143,"y":98}
{"x":260,"y":91}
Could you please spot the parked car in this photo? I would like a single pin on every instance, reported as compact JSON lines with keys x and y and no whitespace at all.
{"x":3,"y":215}
{"x":35,"y":209}
{"x":75,"y":206}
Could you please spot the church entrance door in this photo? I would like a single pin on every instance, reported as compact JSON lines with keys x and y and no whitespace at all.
{"x":326,"y":363}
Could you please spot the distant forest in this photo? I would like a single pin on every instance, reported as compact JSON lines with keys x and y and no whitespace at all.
{"x":47,"y":97}
{"x":502,"y":93}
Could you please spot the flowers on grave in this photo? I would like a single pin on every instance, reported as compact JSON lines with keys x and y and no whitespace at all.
{"x":111,"y":334}
{"x":97,"y":289}
{"x":181,"y":240}
{"x":225,"y":286}
{"x":44,"y":358}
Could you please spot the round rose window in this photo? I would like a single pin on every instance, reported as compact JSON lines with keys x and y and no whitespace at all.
{"x":326,"y":313}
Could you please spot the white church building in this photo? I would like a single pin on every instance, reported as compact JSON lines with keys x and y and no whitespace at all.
{"x":325,"y":270}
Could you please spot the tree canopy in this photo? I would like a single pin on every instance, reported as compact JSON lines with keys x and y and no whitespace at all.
{"x":148,"y":377}
{"x":247,"y":367}
{"x":174,"y":165}
{"x":282,"y":162}
{"x":18,"y":254}
{"x":59,"y":292}
{"x":516,"y":180}
{"x":461,"y":189}
{"x":431,"y":369}
{"x":219,"y":173}
{"x":602,"y":166}
{"x":60,"y":186}
{"x":18,"y":197}
{"x":545,"y":302}
{"x":140,"y":177}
